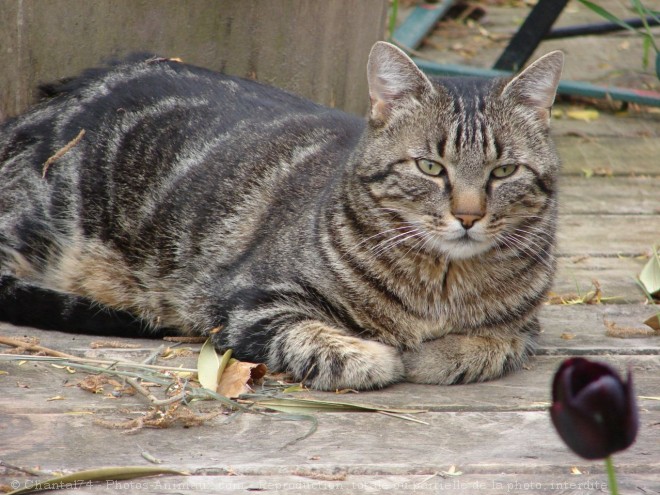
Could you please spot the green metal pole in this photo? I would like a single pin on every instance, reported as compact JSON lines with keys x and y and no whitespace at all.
{"x":575,"y":88}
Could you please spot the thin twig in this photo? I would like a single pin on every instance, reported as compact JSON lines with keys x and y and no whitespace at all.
{"x":34,"y":347}
{"x":61,"y":152}
{"x":57,"y":359}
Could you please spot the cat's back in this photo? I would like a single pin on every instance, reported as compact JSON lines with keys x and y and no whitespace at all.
{"x":136,"y":154}
{"x":162,"y":90}
{"x":159,"y":127}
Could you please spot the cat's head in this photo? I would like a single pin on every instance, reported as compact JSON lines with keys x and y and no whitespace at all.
{"x":464,"y":164}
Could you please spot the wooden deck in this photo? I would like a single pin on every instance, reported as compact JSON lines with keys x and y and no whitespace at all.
{"x":493,"y":437}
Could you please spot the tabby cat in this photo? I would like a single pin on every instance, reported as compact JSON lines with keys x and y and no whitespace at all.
{"x":415,"y":245}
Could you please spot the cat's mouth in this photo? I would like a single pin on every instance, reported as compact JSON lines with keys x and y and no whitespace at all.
{"x":462,"y":245}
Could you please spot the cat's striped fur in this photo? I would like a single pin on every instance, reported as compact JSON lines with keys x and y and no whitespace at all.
{"x":418,"y":245}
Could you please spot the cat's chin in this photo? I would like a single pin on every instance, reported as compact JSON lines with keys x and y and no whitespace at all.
{"x":462,"y":249}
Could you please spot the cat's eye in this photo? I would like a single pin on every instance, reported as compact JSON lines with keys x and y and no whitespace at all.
{"x":429,"y":167}
{"x":504,"y":171}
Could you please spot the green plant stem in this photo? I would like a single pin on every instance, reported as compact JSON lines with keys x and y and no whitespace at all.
{"x":392,"y":22}
{"x":611,"y":476}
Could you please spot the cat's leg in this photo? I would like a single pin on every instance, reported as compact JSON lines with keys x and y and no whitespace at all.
{"x":456,"y":358}
{"x":327,"y":358}
{"x":28,"y":305}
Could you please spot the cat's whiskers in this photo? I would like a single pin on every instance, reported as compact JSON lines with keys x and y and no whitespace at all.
{"x":390,"y":244}
{"x":352,"y":250}
{"x":518,"y":241}
{"x":535,"y":233}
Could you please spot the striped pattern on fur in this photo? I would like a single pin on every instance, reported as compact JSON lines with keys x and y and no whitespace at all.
{"x":415,"y":245}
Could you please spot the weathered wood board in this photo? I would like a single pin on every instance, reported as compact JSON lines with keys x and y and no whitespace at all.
{"x":311,"y":48}
{"x":497,"y":434}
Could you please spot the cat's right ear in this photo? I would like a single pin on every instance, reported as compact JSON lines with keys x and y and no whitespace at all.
{"x":536,"y":86}
{"x":393,"y":79}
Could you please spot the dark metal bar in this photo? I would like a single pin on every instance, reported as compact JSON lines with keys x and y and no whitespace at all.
{"x":574,"y":88}
{"x":527,"y":38}
{"x":598,"y":28}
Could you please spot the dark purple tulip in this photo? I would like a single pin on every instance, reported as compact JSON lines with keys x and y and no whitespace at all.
{"x":593,"y":409}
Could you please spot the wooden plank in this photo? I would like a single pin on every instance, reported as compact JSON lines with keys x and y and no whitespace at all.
{"x":519,"y":443}
{"x":28,"y":388}
{"x":613,"y":155}
{"x":607,"y":235}
{"x":525,"y":390}
{"x":609,"y":195}
{"x":607,"y":125}
{"x":587,"y":325}
{"x":592,"y":480}
{"x":616,"y":277}
{"x":587,"y":320}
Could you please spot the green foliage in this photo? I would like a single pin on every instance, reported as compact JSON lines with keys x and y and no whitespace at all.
{"x":392,"y":21}
{"x":643,"y":12}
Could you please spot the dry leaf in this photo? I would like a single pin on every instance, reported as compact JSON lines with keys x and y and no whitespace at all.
{"x":583,"y":114}
{"x":621,"y":332}
{"x":653,"y":322}
{"x":575,"y":470}
{"x":650,"y":274}
{"x":93,"y":383}
{"x":567,"y":336}
{"x":597,"y":172}
{"x":112,"y":344}
{"x":170,"y":353}
{"x":305,"y":406}
{"x":69,"y":369}
{"x":307,"y":473}
{"x":238,"y":378}
{"x":210,"y":366}
{"x":152,"y":459}
{"x":176,"y":414}
{"x":452,"y":472}
{"x":101,"y":474}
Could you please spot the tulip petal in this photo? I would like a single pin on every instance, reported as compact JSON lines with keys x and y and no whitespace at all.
{"x":584,"y":437}
{"x":593,"y":410}
{"x":604,"y":399}
{"x":586,"y":372}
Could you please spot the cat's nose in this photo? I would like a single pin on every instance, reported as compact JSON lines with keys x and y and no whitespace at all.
{"x":468,"y":219}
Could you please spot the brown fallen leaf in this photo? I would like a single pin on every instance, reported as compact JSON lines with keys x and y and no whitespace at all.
{"x":99,"y":384}
{"x":238,"y":378}
{"x":94,"y":383}
{"x":622,"y":332}
{"x":174,"y":415}
{"x":112,"y":344}
{"x":170,"y":353}
{"x":567,"y":336}
{"x":315,"y":475}
{"x":653,"y":322}
{"x":594,"y":296}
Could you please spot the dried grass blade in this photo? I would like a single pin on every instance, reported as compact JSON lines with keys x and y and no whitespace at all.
{"x":293,"y":405}
{"x":100,"y":474}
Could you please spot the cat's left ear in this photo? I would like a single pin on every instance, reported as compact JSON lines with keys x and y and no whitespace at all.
{"x":536,"y":86}
{"x":394,"y":79}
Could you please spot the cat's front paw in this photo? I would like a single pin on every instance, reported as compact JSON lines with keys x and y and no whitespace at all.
{"x":326,"y":358}
{"x":454,"y":359}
